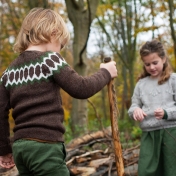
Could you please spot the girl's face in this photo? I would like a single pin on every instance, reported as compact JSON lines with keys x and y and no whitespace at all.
{"x":154,"y":64}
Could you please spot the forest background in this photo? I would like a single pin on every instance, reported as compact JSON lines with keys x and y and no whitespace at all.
{"x":98,"y":28}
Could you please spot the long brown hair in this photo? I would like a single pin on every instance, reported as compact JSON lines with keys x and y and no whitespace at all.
{"x":156,"y":46}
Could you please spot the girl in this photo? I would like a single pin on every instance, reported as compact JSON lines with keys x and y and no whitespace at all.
{"x":154,"y":106}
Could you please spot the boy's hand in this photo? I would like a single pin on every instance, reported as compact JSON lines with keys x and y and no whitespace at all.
{"x":159,"y":113}
{"x":139,"y":114}
{"x":7,"y":161}
{"x":111,"y":67}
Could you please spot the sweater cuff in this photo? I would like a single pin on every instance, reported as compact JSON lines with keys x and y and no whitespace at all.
{"x":107,"y":73}
{"x":165,"y":115}
{"x":5,"y":150}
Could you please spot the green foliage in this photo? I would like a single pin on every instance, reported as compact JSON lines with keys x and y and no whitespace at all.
{"x":68,"y":133}
{"x":125,"y":124}
{"x":136,"y":132}
{"x":128,"y":140}
{"x":130,"y":132}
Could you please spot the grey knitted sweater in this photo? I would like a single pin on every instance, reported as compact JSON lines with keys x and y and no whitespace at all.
{"x":148,"y":95}
{"x":30,"y":86}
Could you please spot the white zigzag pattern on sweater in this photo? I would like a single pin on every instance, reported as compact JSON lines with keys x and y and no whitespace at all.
{"x":34,"y":76}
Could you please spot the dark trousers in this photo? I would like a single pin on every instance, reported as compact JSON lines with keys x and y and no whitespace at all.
{"x":34,"y":158}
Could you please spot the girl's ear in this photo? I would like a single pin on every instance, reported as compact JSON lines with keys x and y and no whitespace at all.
{"x":164,"y":60}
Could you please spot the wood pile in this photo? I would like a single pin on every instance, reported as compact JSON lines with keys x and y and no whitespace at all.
{"x":93,"y":155}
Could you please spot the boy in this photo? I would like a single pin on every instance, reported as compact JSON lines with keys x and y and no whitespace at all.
{"x":30,"y":86}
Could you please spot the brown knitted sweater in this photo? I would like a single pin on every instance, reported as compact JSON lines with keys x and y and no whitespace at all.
{"x":30,"y":86}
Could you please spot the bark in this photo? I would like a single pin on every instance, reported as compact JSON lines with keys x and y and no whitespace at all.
{"x":38,"y":3}
{"x":81,"y":16}
{"x":115,"y":130}
{"x":173,"y":32}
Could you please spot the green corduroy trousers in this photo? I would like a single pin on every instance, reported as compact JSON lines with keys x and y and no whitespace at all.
{"x":34,"y":158}
{"x":158,"y":153}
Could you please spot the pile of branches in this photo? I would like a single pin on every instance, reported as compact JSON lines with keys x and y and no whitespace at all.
{"x":93,"y":155}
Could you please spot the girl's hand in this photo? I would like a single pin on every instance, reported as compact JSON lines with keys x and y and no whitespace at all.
{"x":139,"y":114}
{"x":159,"y":113}
{"x":7,"y":161}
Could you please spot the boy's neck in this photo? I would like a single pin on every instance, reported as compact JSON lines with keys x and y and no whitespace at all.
{"x":44,"y":47}
{"x":41,"y":48}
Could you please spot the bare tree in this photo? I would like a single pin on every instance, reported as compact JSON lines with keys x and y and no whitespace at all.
{"x":172,"y":11}
{"x":120,"y":30}
{"x":81,"y":14}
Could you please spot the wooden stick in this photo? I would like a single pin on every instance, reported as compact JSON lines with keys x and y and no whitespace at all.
{"x":114,"y":126}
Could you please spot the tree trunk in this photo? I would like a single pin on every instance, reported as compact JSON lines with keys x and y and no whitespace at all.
{"x":173,"y":32}
{"x":81,"y":17}
{"x":38,"y":3}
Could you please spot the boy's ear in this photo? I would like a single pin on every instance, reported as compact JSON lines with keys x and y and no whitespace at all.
{"x":53,"y":33}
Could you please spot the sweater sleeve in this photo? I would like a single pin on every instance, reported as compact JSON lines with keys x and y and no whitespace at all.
{"x":81,"y":87}
{"x":171,"y":112}
{"x":70,"y":81}
{"x":5,"y":146}
{"x":135,"y":100}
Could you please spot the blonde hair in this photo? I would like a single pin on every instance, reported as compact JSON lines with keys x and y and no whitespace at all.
{"x":156,"y":46}
{"x":37,"y":28}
